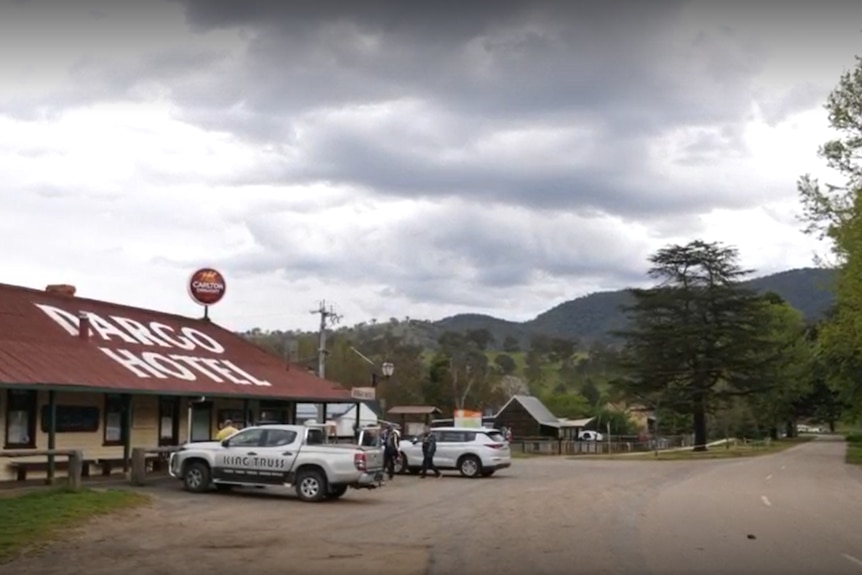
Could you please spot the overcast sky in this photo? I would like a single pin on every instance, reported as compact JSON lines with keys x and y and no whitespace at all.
{"x":407,"y":158}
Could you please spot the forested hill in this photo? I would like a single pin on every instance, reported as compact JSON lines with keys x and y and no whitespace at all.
{"x":591,"y":317}
{"x":585,"y":320}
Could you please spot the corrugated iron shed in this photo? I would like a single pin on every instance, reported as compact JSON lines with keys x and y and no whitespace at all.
{"x":127,"y":349}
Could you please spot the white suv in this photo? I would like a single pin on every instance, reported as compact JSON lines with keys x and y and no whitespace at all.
{"x":475,"y":452}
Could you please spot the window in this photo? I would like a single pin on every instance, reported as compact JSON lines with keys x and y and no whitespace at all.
{"x":279,"y":437}
{"x":115,"y":414}
{"x":246,"y":438}
{"x":20,"y":419}
{"x":71,"y":419}
{"x":275,"y":412}
{"x":451,"y":437}
{"x":235,"y":415}
{"x":496,"y":436}
{"x":315,"y":436}
{"x":169,"y":425}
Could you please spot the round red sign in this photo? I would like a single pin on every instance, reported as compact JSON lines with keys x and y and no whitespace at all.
{"x":207,"y":286}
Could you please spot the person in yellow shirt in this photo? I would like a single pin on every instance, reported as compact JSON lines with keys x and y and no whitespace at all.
{"x":226,"y":431}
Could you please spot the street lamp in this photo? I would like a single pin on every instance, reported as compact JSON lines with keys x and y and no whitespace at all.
{"x":387,"y":368}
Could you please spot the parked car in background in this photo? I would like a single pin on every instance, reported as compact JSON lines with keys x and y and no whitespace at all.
{"x":474,"y":452}
{"x":589,"y":435}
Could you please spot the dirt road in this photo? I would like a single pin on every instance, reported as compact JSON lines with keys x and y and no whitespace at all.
{"x":542,"y":516}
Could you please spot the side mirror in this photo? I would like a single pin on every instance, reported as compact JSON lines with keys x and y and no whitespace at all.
{"x":414,"y":440}
{"x":225,"y":442}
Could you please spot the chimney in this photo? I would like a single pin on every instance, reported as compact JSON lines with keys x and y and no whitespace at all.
{"x":61,"y":289}
{"x":84,"y":326}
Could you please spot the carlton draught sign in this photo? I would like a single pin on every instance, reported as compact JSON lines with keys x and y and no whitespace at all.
{"x":207,"y":286}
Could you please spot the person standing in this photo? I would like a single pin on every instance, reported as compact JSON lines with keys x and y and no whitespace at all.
{"x":391,"y":441}
{"x":429,"y":448}
{"x":226,"y":431}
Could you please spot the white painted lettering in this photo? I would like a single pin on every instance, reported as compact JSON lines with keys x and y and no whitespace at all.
{"x":168,"y":366}
{"x":218,"y":367}
{"x":106,"y":330}
{"x":139,"y":331}
{"x":64,"y":319}
{"x":196,"y":363}
{"x":133,"y":363}
{"x":202,"y":340}
{"x":245,"y":374}
{"x":165,"y":332}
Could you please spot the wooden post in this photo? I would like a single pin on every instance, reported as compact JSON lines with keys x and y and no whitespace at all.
{"x":127,"y":431}
{"x":246,"y":407}
{"x":52,"y":436}
{"x":139,"y":466}
{"x":76,"y":466}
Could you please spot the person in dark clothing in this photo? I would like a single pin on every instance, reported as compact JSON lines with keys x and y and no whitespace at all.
{"x":391,"y":440}
{"x":429,"y":448}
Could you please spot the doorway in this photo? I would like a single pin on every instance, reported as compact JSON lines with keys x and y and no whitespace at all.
{"x":169,"y":421}
{"x":202,"y":418}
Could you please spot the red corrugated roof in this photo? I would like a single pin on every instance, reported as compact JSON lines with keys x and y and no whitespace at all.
{"x":39,"y":345}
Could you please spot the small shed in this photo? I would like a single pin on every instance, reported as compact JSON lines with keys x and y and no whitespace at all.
{"x":413,"y":418}
{"x":527,"y":416}
{"x":570,"y":429}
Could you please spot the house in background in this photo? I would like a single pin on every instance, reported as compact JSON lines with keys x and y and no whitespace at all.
{"x":413,"y":418}
{"x":341,"y":417}
{"x":527,"y":416}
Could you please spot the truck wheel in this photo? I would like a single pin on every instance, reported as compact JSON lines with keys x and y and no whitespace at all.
{"x":196,"y":477}
{"x":336,"y":491}
{"x":310,"y":485}
{"x":470,"y":466}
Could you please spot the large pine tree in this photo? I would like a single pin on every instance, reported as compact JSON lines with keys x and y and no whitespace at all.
{"x":695,"y":337}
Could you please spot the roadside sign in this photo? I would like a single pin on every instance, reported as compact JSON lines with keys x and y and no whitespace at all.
{"x":363,"y":393}
{"x":207,"y":286}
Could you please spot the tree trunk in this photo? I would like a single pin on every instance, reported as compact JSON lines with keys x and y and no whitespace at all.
{"x":699,"y":421}
{"x":790,"y":429}
{"x":831,"y":426}
{"x":773,"y":432}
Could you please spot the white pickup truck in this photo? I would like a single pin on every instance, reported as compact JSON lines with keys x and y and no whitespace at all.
{"x":278,"y":455}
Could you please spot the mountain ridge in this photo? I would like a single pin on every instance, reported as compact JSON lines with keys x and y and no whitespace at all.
{"x":591,"y":317}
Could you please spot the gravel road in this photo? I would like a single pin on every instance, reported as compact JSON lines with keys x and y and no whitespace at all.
{"x":793,"y":512}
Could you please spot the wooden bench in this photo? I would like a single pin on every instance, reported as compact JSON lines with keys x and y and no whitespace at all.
{"x":60,"y":464}
{"x":108,"y":465}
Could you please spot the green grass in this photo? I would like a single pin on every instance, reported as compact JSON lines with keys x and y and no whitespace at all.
{"x":854,"y":448}
{"x":36,"y":518}
{"x":752,"y":449}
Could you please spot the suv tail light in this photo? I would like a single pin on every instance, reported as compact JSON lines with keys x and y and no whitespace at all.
{"x":496,"y":445}
{"x":360,"y":462}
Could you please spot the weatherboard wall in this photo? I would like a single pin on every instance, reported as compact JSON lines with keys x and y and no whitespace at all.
{"x":144,"y":427}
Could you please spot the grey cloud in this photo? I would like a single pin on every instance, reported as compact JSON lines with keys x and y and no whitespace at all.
{"x":451,"y":253}
{"x":623,"y":68}
{"x":523,"y":61}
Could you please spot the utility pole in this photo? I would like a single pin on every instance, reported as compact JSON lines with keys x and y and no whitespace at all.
{"x":327,"y":316}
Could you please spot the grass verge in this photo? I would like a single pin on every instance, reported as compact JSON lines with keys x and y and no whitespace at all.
{"x":717,"y":452}
{"x":37,"y":518}
{"x":854,"y":448}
